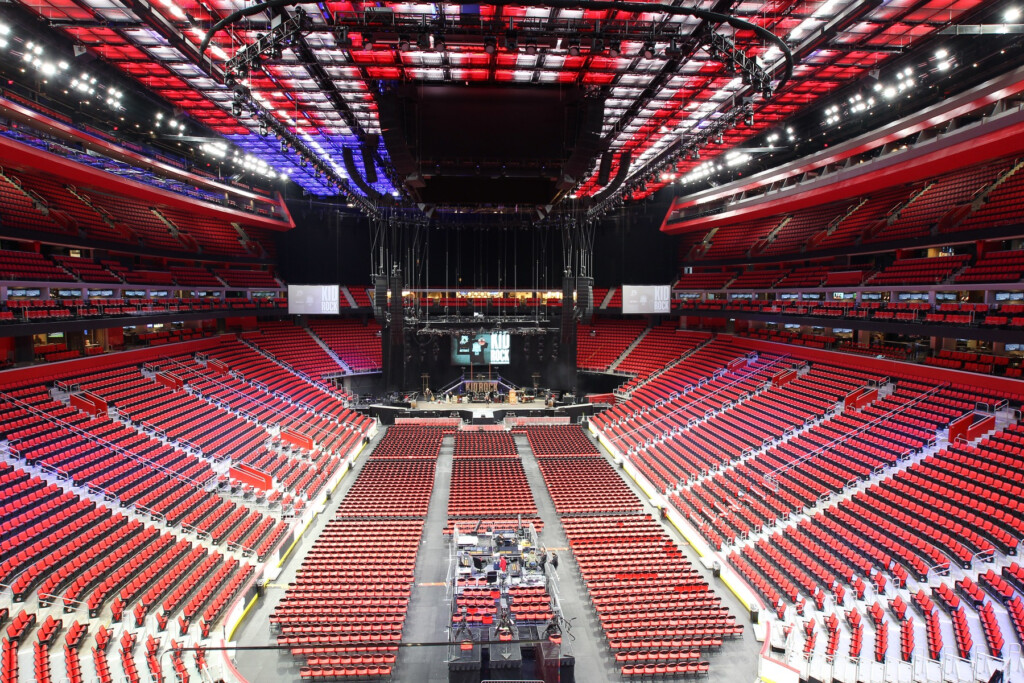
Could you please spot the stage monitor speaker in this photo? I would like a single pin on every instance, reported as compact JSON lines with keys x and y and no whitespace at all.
{"x":585,"y":299}
{"x":380,"y":297}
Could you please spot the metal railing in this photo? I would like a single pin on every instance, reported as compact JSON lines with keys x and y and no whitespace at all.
{"x":772,"y":477}
{"x":250,"y":399}
{"x":709,"y":413}
{"x":89,"y":436}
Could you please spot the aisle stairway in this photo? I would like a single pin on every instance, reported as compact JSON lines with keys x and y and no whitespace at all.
{"x":629,"y":349}
{"x":337,"y":359}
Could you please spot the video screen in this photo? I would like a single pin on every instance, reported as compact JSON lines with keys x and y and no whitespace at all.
{"x":641,"y":299}
{"x":313,"y":299}
{"x":487,"y":348}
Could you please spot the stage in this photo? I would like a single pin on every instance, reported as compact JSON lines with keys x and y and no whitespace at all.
{"x":478,"y":412}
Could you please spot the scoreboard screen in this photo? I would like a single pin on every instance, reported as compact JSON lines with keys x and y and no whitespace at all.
{"x":486,"y":348}
{"x":640,"y":299}
{"x":313,"y":299}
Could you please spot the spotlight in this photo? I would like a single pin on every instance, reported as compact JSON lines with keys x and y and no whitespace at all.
{"x":531,"y":47}
{"x":574,"y":49}
{"x":284,"y":146}
{"x":367,"y":41}
{"x":236,"y":109}
{"x":1011,"y":15}
{"x":614,"y":49}
{"x":648,"y":51}
{"x":748,"y":120}
{"x":512,"y":40}
{"x":673,"y":49}
{"x":719,"y":139}
{"x":423,"y":41}
{"x":439,"y":43}
{"x":597,"y":47}
{"x":263,"y":130}
{"x":403,"y":43}
{"x":490,"y":46}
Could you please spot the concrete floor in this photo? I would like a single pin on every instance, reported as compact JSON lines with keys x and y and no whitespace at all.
{"x":428,"y":613}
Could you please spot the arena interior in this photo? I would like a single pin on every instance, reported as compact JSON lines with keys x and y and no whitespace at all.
{"x":568,"y":340}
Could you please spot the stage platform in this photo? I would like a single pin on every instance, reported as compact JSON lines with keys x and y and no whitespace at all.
{"x":479,"y":413}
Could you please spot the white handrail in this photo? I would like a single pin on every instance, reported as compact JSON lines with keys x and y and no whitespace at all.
{"x":717,"y":391}
{"x":100,"y":440}
{"x":859,"y":430}
{"x":277,"y":411}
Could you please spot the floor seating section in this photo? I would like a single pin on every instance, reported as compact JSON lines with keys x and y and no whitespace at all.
{"x":388,"y":488}
{"x":553,"y":441}
{"x":600,"y":344}
{"x":295,"y":346}
{"x":657,"y":612}
{"x":491,"y":492}
{"x":411,"y":442}
{"x":603,"y":490}
{"x":356,"y":343}
{"x":485,"y":444}
{"x":343,"y":615}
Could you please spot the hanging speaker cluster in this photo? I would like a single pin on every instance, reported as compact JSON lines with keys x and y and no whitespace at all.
{"x":585,"y":299}
{"x":380,"y":298}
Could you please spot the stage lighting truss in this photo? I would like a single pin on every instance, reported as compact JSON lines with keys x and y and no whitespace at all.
{"x":243,"y":103}
{"x":386,"y":26}
{"x":267,"y":45}
{"x":663,"y":166}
